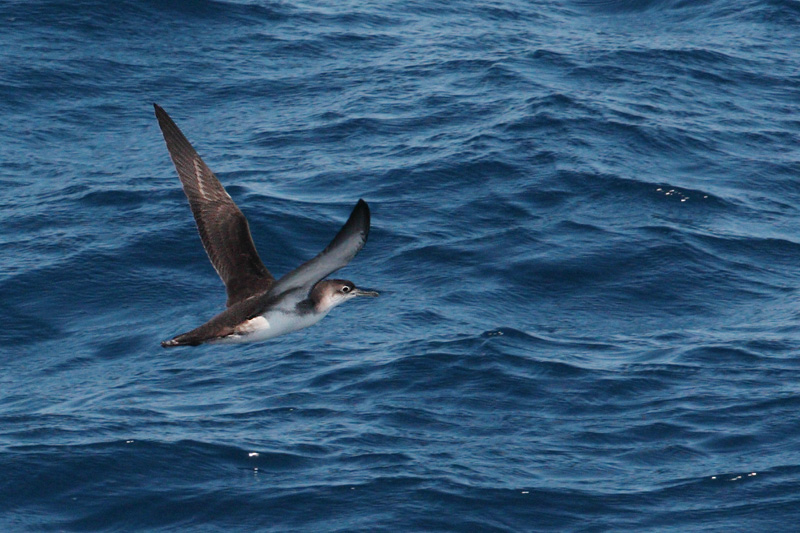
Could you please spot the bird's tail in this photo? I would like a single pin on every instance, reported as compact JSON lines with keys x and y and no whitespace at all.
{"x":220,"y":326}
{"x":184,"y":339}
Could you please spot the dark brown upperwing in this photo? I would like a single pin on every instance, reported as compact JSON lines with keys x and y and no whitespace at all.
{"x":222,"y":226}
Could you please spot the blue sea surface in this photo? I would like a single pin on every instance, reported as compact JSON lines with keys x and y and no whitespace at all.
{"x":585,"y":224}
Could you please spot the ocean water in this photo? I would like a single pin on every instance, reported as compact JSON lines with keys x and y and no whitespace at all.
{"x":584,"y":227}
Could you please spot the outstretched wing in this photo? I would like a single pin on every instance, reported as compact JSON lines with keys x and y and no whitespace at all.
{"x":343,"y":248}
{"x":222,"y":226}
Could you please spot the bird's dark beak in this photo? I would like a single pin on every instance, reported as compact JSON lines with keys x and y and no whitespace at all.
{"x":365,"y":292}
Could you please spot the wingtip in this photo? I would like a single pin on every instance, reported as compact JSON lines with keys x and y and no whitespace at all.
{"x":362,"y":210}
{"x":160,"y":113}
{"x":361,"y":205}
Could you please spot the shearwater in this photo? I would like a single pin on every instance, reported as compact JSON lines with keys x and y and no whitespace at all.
{"x":258,"y":306}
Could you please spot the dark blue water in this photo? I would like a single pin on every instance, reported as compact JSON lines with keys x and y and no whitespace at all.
{"x":585,"y":228}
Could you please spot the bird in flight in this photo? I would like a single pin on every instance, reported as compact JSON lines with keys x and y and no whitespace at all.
{"x":259,"y":307}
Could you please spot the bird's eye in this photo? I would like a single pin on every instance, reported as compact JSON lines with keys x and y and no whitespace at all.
{"x":345,"y":289}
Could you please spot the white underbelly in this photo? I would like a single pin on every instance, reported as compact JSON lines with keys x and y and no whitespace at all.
{"x":271,"y":324}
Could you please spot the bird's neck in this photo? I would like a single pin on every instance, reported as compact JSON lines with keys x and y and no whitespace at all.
{"x":310,"y":306}
{"x":320,"y":299}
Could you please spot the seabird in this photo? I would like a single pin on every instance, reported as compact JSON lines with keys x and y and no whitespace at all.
{"x":258,"y":306}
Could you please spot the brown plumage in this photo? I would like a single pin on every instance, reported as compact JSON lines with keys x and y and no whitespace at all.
{"x":258,"y":306}
{"x":222,"y":226}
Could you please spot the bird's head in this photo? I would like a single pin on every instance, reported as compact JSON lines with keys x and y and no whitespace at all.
{"x":329,"y":293}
